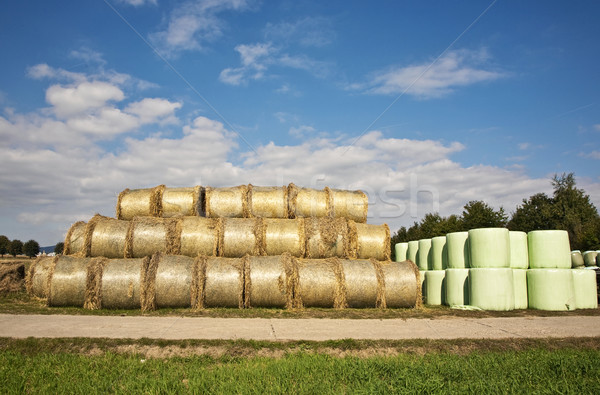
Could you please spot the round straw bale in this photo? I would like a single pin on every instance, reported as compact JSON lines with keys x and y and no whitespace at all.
{"x":306,"y":202}
{"x":121,"y":283}
{"x":267,"y":284}
{"x":108,"y":236}
{"x":327,"y":237}
{"x":149,"y":235}
{"x":173,"y":281}
{"x":402,"y":284}
{"x":241,"y":236}
{"x":350,"y":205}
{"x":180,"y":202}
{"x":75,"y":239}
{"x":198,"y":282}
{"x":361,"y":283}
{"x":37,"y":276}
{"x":93,"y":291}
{"x":140,"y":203}
{"x":199,"y":236}
{"x":285,"y":235}
{"x":68,"y":283}
{"x":268,"y":202}
{"x":227,"y":202}
{"x":224,"y":282}
{"x":372,"y":241}
{"x":317,"y":283}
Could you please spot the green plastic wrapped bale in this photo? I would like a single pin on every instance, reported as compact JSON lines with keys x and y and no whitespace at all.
{"x":457,"y":287}
{"x":492,"y":288}
{"x":413,"y":249}
{"x":436,"y":287}
{"x":490,"y":248}
{"x":423,"y":281}
{"x":439,"y":253}
{"x":520,"y":286}
{"x":550,"y":289}
{"x":519,"y":254}
{"x":584,"y":286}
{"x":401,"y":252}
{"x":68,"y":282}
{"x":577,"y":259}
{"x":424,"y":255}
{"x":598,"y":258}
{"x":457,"y":244}
{"x":549,"y":249}
{"x":589,"y":258}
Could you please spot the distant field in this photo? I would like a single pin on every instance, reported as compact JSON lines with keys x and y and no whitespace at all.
{"x":109,"y":366}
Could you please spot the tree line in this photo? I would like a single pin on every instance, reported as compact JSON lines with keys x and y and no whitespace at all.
{"x":30,"y":248}
{"x":569,"y":208}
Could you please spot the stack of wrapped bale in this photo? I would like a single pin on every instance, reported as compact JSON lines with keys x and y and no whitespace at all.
{"x":243,"y":247}
{"x":457,"y":272}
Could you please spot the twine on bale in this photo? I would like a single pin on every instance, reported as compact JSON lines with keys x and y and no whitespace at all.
{"x":93,"y":290}
{"x":247,"y":282}
{"x":381,"y":302}
{"x":290,"y":265}
{"x":339,"y":297}
{"x":75,"y":238}
{"x":148,"y":283}
{"x":198,"y":283}
{"x":89,"y":231}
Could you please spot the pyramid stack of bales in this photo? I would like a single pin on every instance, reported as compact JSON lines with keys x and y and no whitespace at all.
{"x":242,"y":247}
{"x":497,"y":269}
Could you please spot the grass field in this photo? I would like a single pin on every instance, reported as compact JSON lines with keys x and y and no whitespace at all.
{"x":113,"y":366}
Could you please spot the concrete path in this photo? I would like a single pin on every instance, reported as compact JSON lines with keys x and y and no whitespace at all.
{"x":22,"y":326}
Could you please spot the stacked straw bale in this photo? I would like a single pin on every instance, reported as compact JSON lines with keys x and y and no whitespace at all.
{"x":317,"y":238}
{"x":243,"y":201}
{"x":252,"y":281}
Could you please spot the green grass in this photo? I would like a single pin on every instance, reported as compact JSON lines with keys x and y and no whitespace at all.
{"x":532,"y":370}
{"x":21,"y":303}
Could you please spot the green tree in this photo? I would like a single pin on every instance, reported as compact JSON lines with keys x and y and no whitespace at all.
{"x":575,"y":213}
{"x":4,"y":244}
{"x":59,"y":247}
{"x":477,"y":214}
{"x":536,"y":213}
{"x":15,"y":248}
{"x":31,"y":248}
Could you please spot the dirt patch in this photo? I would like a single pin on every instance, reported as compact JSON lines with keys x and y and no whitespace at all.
{"x":12,"y":277}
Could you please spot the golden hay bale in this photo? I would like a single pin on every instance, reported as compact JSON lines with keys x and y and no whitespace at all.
{"x":140,"y":203}
{"x":180,"y":202}
{"x":93,"y":291}
{"x":36,"y":281}
{"x":106,"y":237}
{"x":284,"y":235}
{"x":268,"y":202}
{"x":75,"y":239}
{"x":326,"y":237}
{"x":318,"y":284}
{"x":121,"y":283}
{"x":199,"y":236}
{"x":268,"y":281}
{"x":198,"y":282}
{"x":241,"y":236}
{"x":69,"y":281}
{"x":173,"y":281}
{"x":306,"y":202}
{"x":402,"y":284}
{"x":361,"y":282}
{"x":149,"y":235}
{"x":224,"y":282}
{"x":227,"y":202}
{"x":370,"y":241}
{"x":350,"y":205}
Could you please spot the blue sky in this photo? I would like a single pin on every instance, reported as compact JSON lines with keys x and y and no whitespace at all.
{"x":424,"y":105}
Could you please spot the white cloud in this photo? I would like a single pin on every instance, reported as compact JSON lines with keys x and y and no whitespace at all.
{"x":302,"y":131}
{"x":137,"y":3}
{"x":193,"y":24}
{"x":524,"y":146}
{"x":590,"y":155}
{"x":73,"y":100}
{"x":150,"y":110}
{"x":597,"y":127}
{"x":88,"y":55}
{"x":426,"y":80}
{"x":308,"y":32}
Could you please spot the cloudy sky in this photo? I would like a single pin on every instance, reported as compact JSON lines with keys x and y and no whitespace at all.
{"x":424,"y":105}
